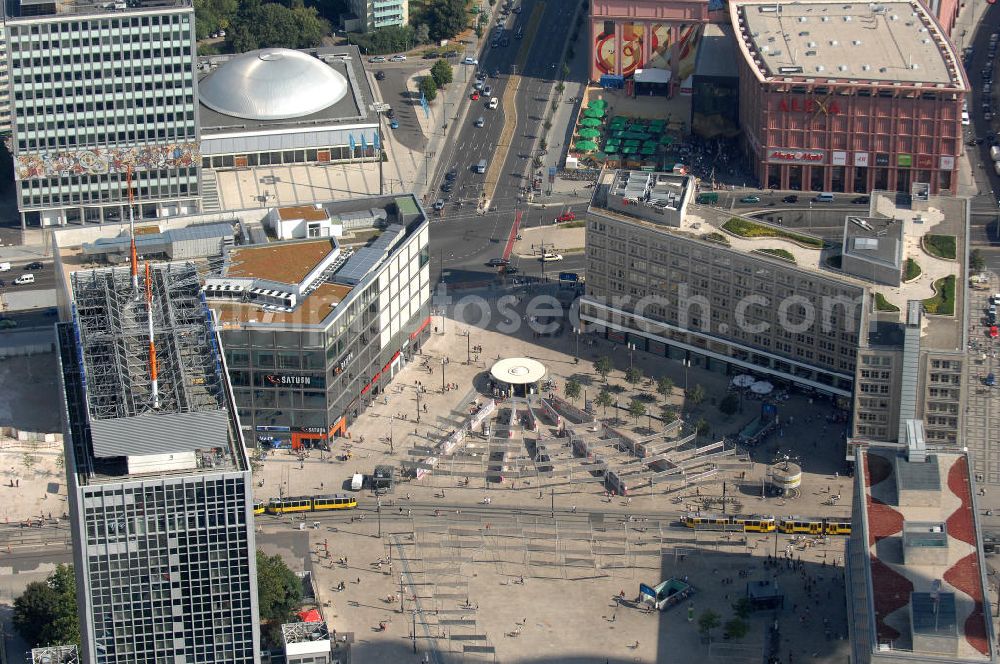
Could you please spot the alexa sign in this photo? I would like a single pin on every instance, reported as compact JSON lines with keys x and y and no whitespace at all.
{"x":810,"y":105}
{"x":792,"y":156}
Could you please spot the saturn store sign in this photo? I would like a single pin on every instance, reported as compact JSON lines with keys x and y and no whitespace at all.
{"x":793,"y":156}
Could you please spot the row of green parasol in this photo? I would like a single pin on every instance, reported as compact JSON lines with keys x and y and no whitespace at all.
{"x":590,"y":122}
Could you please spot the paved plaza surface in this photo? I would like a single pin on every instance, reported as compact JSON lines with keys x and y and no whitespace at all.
{"x":534,"y":569}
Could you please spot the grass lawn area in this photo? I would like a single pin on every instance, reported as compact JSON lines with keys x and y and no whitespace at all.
{"x":882,"y":304}
{"x":940,"y":246}
{"x":943,"y":302}
{"x":747,"y":228}
{"x":912,"y":270}
{"x":716,"y":237}
{"x":778,"y":253}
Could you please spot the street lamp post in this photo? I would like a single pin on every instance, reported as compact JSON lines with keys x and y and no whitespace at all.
{"x":468,"y":347}
{"x":687,"y":363}
{"x":392,"y":417}
{"x":418,"y":404}
{"x":631,"y":347}
{"x":442,"y":375}
{"x":378,"y":511}
{"x":576,"y":355}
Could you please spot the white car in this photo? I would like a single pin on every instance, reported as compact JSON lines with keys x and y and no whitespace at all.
{"x":487,"y":91}
{"x":398,"y":58}
{"x":548,"y":258}
{"x":494,"y":103}
{"x":470,"y":61}
{"x":375,"y":59}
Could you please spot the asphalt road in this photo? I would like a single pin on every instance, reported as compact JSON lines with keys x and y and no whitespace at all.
{"x":462,"y":241}
{"x":45,"y":279}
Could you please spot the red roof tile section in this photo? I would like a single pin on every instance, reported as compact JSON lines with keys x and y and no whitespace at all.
{"x":965,"y":576}
{"x":960,"y":522}
{"x":892,"y":592}
{"x":883,"y":521}
{"x":877,"y":469}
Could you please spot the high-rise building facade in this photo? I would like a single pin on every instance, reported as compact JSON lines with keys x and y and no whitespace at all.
{"x":374,"y":14}
{"x":160,"y":488}
{"x":97,"y":90}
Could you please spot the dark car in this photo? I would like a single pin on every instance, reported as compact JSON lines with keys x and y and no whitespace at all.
{"x":33,"y":266}
{"x":497,"y":262}
{"x":447,"y":186}
{"x":510,"y":269}
{"x":390,"y":114}
{"x":791,"y":198}
{"x":861,"y":200}
{"x":451,"y":175}
{"x":380,"y":75}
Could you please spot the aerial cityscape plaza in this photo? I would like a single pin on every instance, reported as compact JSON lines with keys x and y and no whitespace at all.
{"x":521,"y":331}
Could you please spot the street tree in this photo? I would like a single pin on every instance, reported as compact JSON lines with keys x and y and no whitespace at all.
{"x":279,"y":591}
{"x":668,"y":413}
{"x":743,"y":608}
{"x":429,"y":88}
{"x":28,"y":460}
{"x":45,"y":613}
{"x":696,"y":394}
{"x":701,"y":427}
{"x":564,"y":72}
{"x":976,"y":261}
{"x":729,"y":404}
{"x":604,"y":399}
{"x":572,"y":389}
{"x":603,"y":366}
{"x":664,"y":386}
{"x":708,"y":621}
{"x":736,"y":628}
{"x":442,"y":73}
{"x":445,"y":18}
{"x":636,"y":409}
{"x":634,"y":375}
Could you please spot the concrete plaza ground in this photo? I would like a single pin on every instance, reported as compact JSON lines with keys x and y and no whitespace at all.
{"x":461,"y":561}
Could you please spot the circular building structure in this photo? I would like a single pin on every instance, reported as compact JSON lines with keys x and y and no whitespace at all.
{"x":786,"y":477}
{"x":272,"y":84}
{"x":518,"y":376}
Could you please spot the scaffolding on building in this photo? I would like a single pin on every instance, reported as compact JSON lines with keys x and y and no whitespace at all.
{"x":55,"y":655}
{"x":112,"y":327}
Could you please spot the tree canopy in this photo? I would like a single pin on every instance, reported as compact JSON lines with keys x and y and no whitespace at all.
{"x":729,"y":404}
{"x":429,"y":88}
{"x":442,"y":73}
{"x":572,"y":389}
{"x":634,"y":375}
{"x":279,"y":590}
{"x":270,"y":24}
{"x":45,"y":613}
{"x":211,"y":15}
{"x":664,"y":386}
{"x":604,"y":399}
{"x":636,"y":408}
{"x":603,"y":366}
{"x":392,"y":39}
{"x":445,"y":18}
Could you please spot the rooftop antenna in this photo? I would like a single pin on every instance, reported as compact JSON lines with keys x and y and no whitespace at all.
{"x":149,"y":320}
{"x":131,"y":232}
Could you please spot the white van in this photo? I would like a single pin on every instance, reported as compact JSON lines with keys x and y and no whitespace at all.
{"x":4,"y":267}
{"x":481,"y":166}
{"x":494,"y":102}
{"x":25,"y":279}
{"x":825,"y":197}
{"x":357,"y":481}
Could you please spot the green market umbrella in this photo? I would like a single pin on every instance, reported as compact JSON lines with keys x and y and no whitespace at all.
{"x":594,"y":113}
{"x":632,"y":142}
{"x":666,"y":139}
{"x":589,"y":133}
{"x":597,"y":103}
{"x":586,"y":146}
{"x":611,"y":149}
{"x":614,"y":141}
{"x":648,"y":149}
{"x":629,"y":149}
{"x":590,"y":122}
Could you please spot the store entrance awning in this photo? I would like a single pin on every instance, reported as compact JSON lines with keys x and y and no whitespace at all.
{"x":652,"y":75}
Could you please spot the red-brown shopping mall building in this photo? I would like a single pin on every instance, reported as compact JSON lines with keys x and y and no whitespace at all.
{"x":848,"y":97}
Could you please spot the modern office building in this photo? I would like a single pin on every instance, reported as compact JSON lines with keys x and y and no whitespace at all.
{"x":848,"y":97}
{"x":374,"y":14}
{"x":686,"y":285}
{"x":915,"y":573}
{"x":279,"y":106}
{"x":314,"y":330}
{"x":159,"y":481}
{"x":95,"y":90}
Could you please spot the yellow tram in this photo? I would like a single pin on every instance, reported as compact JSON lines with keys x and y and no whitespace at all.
{"x":768,"y":524}
{"x":337,"y":501}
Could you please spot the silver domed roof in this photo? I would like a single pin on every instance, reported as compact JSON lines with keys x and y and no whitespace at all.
{"x":272,"y":84}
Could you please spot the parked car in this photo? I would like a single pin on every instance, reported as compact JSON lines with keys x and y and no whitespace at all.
{"x":389,"y":113}
{"x":510,"y":269}
{"x":7,"y":323}
{"x":451,"y":175}
{"x":474,"y":96}
{"x":991,"y":380}
{"x":398,"y":58}
{"x":497,"y":262}
{"x":861,"y":200}
{"x":376,"y":59}
{"x":394,"y":124}
{"x":439,"y":204}
{"x":750,"y":199}
{"x":548,"y":258}
{"x":447,"y":187}
{"x":566,"y":216}
{"x":35,"y":265}
{"x":380,"y":75}
{"x":792,"y":198}
{"x":470,"y":61}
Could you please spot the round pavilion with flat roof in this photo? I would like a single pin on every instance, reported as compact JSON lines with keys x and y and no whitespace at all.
{"x":518,"y":376}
